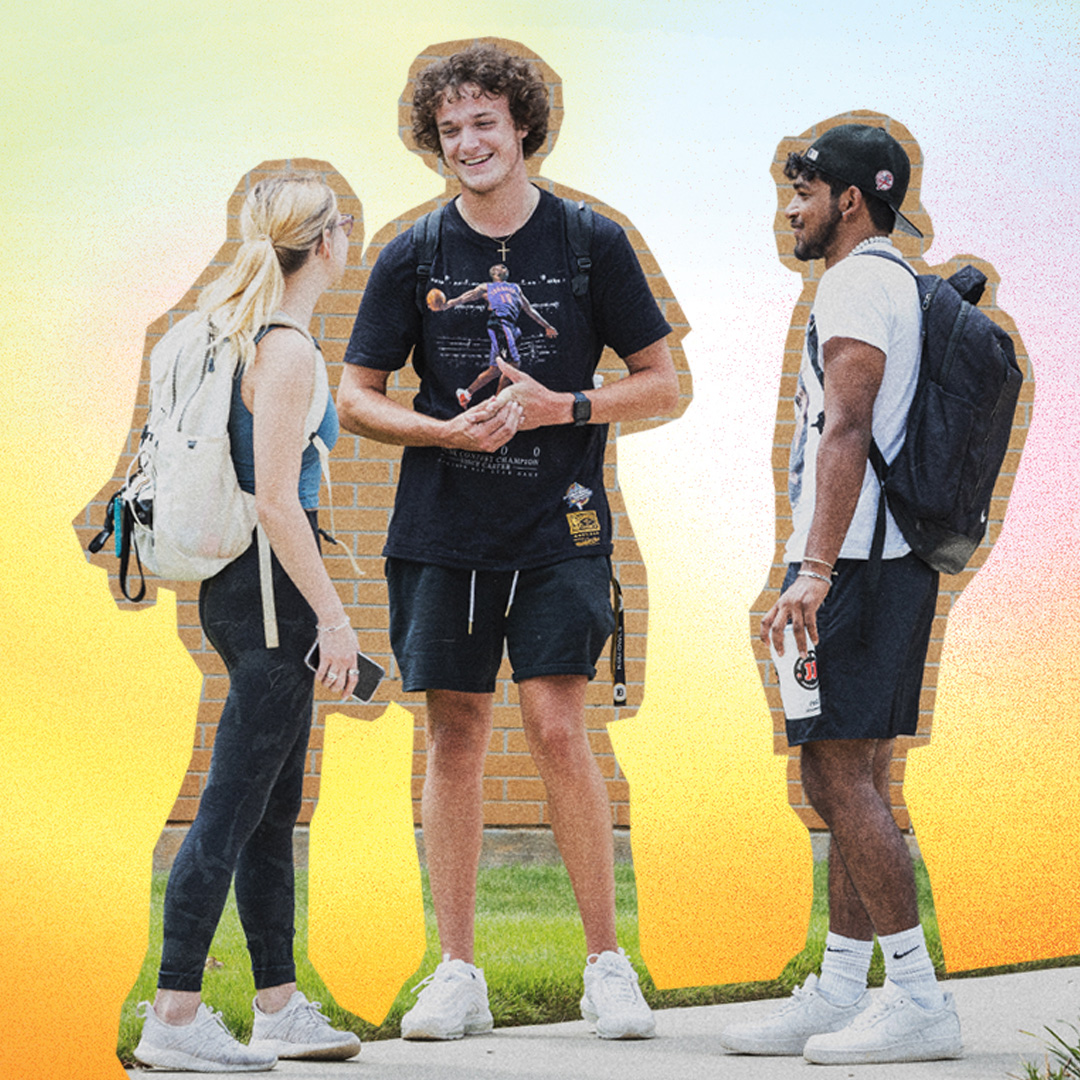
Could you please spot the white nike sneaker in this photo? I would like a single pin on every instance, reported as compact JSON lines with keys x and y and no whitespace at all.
{"x":204,"y":1045}
{"x":613,"y":1002}
{"x":785,"y":1030}
{"x":452,"y":1003}
{"x":300,"y":1030}
{"x":893,"y":1028}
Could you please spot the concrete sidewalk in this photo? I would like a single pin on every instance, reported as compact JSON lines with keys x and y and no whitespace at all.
{"x":994,"y":1013}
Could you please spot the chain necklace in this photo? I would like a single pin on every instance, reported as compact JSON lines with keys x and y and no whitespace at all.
{"x":501,"y":242}
{"x":871,"y":240}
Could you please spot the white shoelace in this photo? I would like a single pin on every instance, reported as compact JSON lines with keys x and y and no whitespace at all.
{"x":878,"y":1008}
{"x":309,"y":1016}
{"x":447,"y":983}
{"x":621,"y":985}
{"x":798,"y":995}
{"x":227,"y":1051}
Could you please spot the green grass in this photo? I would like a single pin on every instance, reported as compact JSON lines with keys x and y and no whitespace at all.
{"x":1061,"y":1059}
{"x":529,"y":942}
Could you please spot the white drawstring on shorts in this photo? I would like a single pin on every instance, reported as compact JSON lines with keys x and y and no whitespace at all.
{"x":472,"y":596}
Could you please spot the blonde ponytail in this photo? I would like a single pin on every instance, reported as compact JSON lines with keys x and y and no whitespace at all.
{"x":281,"y":222}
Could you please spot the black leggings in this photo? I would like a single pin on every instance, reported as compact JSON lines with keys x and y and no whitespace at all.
{"x":255,"y":785}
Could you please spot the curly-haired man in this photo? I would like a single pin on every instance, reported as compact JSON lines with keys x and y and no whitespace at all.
{"x":485,"y":547}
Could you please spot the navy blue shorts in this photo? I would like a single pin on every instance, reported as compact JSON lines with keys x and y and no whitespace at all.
{"x":870,"y":689}
{"x":560,"y":617}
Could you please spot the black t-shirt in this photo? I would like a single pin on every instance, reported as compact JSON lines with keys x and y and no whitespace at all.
{"x":540,"y":499}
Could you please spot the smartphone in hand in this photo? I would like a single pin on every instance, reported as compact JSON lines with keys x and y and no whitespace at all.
{"x":368,"y":680}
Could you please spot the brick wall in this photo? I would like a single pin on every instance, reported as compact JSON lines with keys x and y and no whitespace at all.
{"x":951,"y":585}
{"x":364,"y":475}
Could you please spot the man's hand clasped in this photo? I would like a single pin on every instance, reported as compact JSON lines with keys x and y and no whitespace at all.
{"x":542,"y":407}
{"x":486,"y":426}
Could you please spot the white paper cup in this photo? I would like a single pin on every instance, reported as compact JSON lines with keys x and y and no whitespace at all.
{"x":799,"y":689}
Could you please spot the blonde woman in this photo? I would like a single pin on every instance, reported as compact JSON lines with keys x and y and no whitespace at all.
{"x":294,"y":246}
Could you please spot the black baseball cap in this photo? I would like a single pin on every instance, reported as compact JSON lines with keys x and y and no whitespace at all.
{"x":871,"y":159}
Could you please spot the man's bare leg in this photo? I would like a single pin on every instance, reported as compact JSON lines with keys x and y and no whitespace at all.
{"x":459,"y":731}
{"x":846,"y":782}
{"x":553,"y":713}
{"x":847,"y":915}
{"x":840,"y":779}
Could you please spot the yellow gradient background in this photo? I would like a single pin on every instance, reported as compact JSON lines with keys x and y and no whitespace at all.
{"x":365,"y":908}
{"x":125,"y":129}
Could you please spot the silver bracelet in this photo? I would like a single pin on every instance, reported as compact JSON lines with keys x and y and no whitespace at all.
{"x":817,"y":577}
{"x":820,"y":562}
{"x":331,"y":629}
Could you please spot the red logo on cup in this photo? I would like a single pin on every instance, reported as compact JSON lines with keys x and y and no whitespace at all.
{"x":806,"y":671}
{"x":884,"y":180}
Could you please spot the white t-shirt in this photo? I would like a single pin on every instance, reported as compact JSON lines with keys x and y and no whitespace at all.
{"x":870,"y":299}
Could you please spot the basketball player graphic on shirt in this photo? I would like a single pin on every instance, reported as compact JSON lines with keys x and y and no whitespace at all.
{"x":505,"y":302}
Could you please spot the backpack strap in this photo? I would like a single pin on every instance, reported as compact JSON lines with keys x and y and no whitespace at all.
{"x":266,"y":588}
{"x":877,"y":548}
{"x":426,"y":232}
{"x":324,"y":461}
{"x":126,"y":545}
{"x":970,"y":282}
{"x":895,"y":257}
{"x":618,"y":644}
{"x":877,"y":462}
{"x":578,"y":226}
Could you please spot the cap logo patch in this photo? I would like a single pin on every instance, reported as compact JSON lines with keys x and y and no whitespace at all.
{"x":812,"y":154}
{"x":884,"y":180}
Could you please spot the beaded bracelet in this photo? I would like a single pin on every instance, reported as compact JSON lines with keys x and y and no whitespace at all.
{"x":816,"y":577}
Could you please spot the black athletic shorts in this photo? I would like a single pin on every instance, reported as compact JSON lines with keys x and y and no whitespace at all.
{"x":870,"y":689}
{"x":448,"y":627}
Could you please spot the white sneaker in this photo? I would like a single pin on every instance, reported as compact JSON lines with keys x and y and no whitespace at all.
{"x":204,"y":1045}
{"x":893,"y":1028}
{"x":300,"y":1030}
{"x":612,"y":1002}
{"x":785,"y":1030}
{"x":452,"y":1003}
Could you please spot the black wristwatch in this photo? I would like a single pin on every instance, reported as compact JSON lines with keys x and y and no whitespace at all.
{"x":581,"y":410}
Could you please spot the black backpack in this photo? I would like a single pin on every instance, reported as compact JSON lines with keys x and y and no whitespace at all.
{"x":939,"y":485}
{"x":577,"y":223}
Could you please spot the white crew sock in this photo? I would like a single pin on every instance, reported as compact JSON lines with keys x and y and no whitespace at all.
{"x":844,"y":966}
{"x":908,"y":964}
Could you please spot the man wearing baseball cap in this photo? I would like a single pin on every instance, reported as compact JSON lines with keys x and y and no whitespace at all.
{"x":856,"y":383}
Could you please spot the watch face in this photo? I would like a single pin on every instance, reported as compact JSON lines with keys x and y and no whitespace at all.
{"x":582,"y":409}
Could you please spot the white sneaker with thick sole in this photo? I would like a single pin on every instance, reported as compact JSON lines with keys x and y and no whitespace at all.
{"x":612,"y":1002}
{"x":893,"y":1028}
{"x":785,"y":1030}
{"x":204,"y":1045}
{"x":300,"y":1030}
{"x":452,"y":1003}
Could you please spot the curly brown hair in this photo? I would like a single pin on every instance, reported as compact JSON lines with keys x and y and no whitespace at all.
{"x":498,"y":74}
